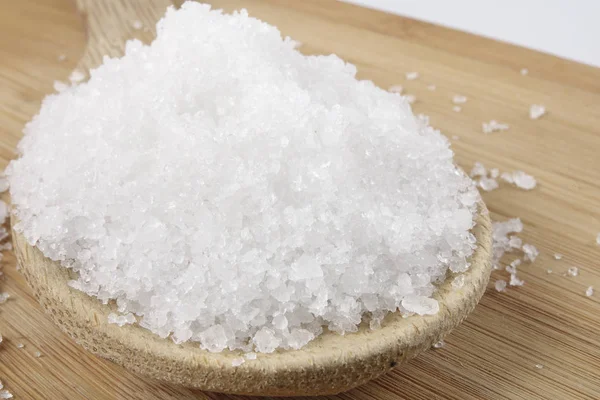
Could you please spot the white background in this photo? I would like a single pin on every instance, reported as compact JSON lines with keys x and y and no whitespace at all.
{"x":566,"y":28}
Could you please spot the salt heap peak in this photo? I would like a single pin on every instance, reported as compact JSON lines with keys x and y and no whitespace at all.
{"x":231,"y":191}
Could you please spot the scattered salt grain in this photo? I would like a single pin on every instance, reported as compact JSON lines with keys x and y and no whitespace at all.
{"x":507,"y":177}
{"x":455,"y":137}
{"x":411,"y":76}
{"x":60,"y":86}
{"x":478,"y":170}
{"x":502,"y":242}
{"x":539,"y":366}
{"x":459,"y":99}
{"x":494,"y":126}
{"x":524,"y":71}
{"x":488,"y":184}
{"x":558,"y":256}
{"x":76,"y":76}
{"x":37,"y":354}
{"x":589,"y":292}
{"x":515,"y":281}
{"x":500,"y":285}
{"x":4,"y":297}
{"x":0,"y":342}
{"x":210,"y":251}
{"x":520,"y":179}
{"x":62,"y":57}
{"x":431,"y":88}
{"x":549,"y":271}
{"x":531,"y":252}
{"x":573,"y":271}
{"x":458,"y":282}
{"x":395,"y":89}
{"x":20,"y":345}
{"x":439,"y":344}
{"x":121,"y":320}
{"x":236,"y":362}
{"x":250,"y":356}
{"x":457,"y":108}
{"x":536,"y":111}
{"x":598,"y":239}
{"x":494,"y":173}
{"x":137,"y":24}
{"x":5,"y":394}
{"x":410,"y":98}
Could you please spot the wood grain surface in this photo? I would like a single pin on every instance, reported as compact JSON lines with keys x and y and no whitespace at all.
{"x":547,"y":322}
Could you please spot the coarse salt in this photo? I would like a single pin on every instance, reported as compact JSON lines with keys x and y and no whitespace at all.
{"x":536,"y":111}
{"x":494,"y":126}
{"x":411,"y":76}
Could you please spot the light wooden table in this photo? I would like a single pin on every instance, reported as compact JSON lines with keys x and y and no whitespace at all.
{"x":493,"y":355}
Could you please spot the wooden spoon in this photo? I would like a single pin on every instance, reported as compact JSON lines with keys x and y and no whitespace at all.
{"x":330,"y":364}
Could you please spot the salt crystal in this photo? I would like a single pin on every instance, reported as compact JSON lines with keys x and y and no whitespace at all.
{"x":523,"y":180}
{"x":0,"y":342}
{"x":236,"y":362}
{"x":558,"y":256}
{"x":137,"y":24}
{"x":531,"y":252}
{"x":250,"y":356}
{"x":60,"y":86}
{"x":458,"y":282}
{"x":37,"y":354}
{"x":500,"y":285}
{"x":478,"y":170}
{"x":539,"y":366}
{"x":515,"y":281}
{"x":227,"y":211}
{"x":494,"y":126}
{"x":411,"y":76}
{"x":395,"y":89}
{"x":410,"y":98}
{"x":20,"y":346}
{"x":76,"y":76}
{"x":455,"y":137}
{"x":439,"y":344}
{"x":507,"y":177}
{"x":420,"y":304}
{"x":503,"y":243}
{"x":431,"y":88}
{"x":459,"y":99}
{"x":573,"y":271}
{"x":457,"y":109}
{"x":598,"y":239}
{"x":524,"y":71}
{"x":589,"y":292}
{"x":62,"y":57}
{"x":536,"y":111}
{"x":549,"y":271}
{"x":488,"y":184}
{"x":494,"y":173}
{"x":4,"y":297}
{"x":5,"y":394}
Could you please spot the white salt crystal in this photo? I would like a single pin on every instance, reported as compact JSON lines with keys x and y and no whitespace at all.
{"x":478,"y":170}
{"x":1,"y":385}
{"x":523,"y":180}
{"x":411,"y":76}
{"x":457,"y":108}
{"x":488,"y":184}
{"x":502,"y":242}
{"x":250,"y":356}
{"x":0,"y":342}
{"x":236,"y":362}
{"x":458,"y":282}
{"x":536,"y":111}
{"x":573,"y":271}
{"x":524,"y":71}
{"x":531,"y":252}
{"x":549,"y":271}
{"x":439,"y":344}
{"x":410,"y":98}
{"x":121,"y":320}
{"x":494,"y":126}
{"x":500,"y":285}
{"x":507,"y":177}
{"x":598,"y":239}
{"x":137,"y":24}
{"x":494,"y":173}
{"x":431,"y":87}
{"x":539,"y":366}
{"x":459,"y":99}
{"x":395,"y":89}
{"x":76,"y":76}
{"x":241,"y":189}
{"x":558,"y":256}
{"x":515,"y":281}
{"x":4,"y":297}
{"x":455,"y":137}
{"x":20,"y":346}
{"x":62,"y":57}
{"x":589,"y":292}
{"x":37,"y":354}
{"x":5,"y":394}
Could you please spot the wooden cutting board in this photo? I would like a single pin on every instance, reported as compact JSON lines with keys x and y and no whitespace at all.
{"x":497,"y":353}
